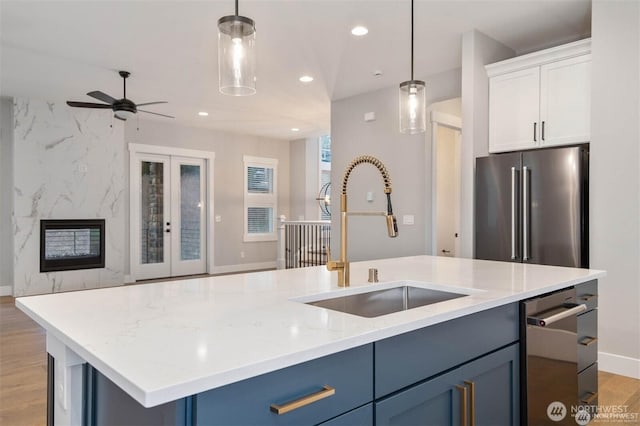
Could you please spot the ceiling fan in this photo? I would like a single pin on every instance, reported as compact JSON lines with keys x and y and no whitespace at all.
{"x":122,"y":108}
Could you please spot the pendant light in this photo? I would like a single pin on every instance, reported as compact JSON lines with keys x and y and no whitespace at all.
{"x":412,"y":100}
{"x":237,"y":55}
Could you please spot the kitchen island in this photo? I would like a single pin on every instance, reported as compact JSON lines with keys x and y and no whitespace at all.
{"x":206,"y":350}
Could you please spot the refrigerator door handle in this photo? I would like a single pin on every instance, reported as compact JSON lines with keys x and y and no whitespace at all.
{"x":525,"y":213}
{"x":514,"y":255}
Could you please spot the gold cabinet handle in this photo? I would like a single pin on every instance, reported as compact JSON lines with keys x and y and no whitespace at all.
{"x":326,"y":391}
{"x":588,"y":341}
{"x":472,"y":398}
{"x":587,"y":297}
{"x":463,"y":404}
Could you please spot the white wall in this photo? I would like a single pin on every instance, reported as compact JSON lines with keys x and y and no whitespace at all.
{"x":408,"y":159}
{"x":615,"y":181}
{"x":298,"y":168}
{"x":69,"y":164}
{"x":305,"y":178}
{"x":6,"y":196}
{"x":228,"y":184}
{"x":477,"y":51}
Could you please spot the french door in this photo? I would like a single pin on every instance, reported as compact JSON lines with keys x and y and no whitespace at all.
{"x":170,"y":216}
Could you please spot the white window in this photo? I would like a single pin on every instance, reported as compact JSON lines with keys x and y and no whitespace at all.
{"x":325,"y":177}
{"x":260,"y":198}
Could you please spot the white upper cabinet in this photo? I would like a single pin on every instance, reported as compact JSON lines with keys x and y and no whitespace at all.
{"x":541,"y":99}
{"x":565,"y":101}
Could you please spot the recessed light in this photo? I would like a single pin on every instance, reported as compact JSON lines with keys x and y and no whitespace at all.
{"x":203,"y":113}
{"x":295,"y":129}
{"x":306,"y":79}
{"x":359,"y":31}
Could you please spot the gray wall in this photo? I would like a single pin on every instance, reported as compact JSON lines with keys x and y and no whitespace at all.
{"x":615,"y":180}
{"x":228,"y":181}
{"x":477,"y":51}
{"x":298,"y":167}
{"x":305,"y":178}
{"x":6,"y":196}
{"x":407,"y":158}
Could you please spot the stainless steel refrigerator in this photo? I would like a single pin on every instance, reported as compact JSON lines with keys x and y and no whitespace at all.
{"x":532,"y":207}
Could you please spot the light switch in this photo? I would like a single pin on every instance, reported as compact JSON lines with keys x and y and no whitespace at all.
{"x":407,"y":219}
{"x":218,"y":218}
{"x":370,"y":196}
{"x":369,"y":116}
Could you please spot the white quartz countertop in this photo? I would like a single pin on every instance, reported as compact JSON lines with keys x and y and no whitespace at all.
{"x":164,"y":341}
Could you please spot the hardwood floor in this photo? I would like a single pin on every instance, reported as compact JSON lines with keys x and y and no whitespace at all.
{"x":23,"y":374}
{"x":23,"y":368}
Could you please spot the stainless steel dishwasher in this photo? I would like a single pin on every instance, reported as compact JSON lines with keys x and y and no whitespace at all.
{"x":552,"y":359}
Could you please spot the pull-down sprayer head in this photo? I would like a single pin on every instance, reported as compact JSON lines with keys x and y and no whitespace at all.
{"x":392,"y":223}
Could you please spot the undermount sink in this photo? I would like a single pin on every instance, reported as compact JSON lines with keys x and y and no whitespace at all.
{"x":386,"y":301}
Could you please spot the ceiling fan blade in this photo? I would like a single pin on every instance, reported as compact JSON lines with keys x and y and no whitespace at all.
{"x":153,"y":103}
{"x":155,"y":113}
{"x":88,"y":105}
{"x":101,"y":96}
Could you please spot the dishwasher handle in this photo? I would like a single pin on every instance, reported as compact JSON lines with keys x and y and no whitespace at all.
{"x":569,"y":310}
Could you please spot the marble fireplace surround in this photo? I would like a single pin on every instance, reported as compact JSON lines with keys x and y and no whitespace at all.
{"x":68,"y":164}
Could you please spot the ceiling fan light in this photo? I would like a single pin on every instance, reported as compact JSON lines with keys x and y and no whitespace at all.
{"x":124,"y":115}
{"x":412,"y":107}
{"x":237,"y":55}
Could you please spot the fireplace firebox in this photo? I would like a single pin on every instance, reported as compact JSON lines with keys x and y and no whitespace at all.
{"x":68,"y":244}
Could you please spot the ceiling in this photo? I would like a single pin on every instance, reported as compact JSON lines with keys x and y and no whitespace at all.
{"x":60,"y":50}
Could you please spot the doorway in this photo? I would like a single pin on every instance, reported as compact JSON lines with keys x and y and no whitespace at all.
{"x":170,"y":210}
{"x":446,"y":142}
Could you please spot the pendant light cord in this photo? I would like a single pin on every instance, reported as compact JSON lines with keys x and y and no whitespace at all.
{"x":237,"y":7}
{"x":411,"y":39}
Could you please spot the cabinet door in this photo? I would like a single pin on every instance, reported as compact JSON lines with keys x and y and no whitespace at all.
{"x":514,"y":100}
{"x":491,"y":388}
{"x":565,"y":101}
{"x":495,"y":381}
{"x":435,"y":402}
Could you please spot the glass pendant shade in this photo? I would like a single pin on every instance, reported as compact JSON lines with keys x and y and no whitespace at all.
{"x":412,"y":107}
{"x":237,"y":55}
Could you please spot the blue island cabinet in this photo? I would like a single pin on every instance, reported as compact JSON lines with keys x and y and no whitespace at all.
{"x":444,"y":374}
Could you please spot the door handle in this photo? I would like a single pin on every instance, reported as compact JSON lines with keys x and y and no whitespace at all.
{"x":535,"y":126}
{"x":525,"y":213}
{"x":513,"y":214}
{"x":472,"y":400}
{"x":463,"y":404}
{"x":542,"y":131}
{"x":570,"y":309}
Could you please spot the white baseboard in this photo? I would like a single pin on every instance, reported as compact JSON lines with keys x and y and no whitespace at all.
{"x":6,"y":290}
{"x":243,"y":267}
{"x":618,"y":364}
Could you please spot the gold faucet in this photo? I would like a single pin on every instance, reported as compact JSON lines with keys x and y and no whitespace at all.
{"x":342,"y":265}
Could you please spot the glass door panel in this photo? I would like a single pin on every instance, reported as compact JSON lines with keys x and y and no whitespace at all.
{"x":190,"y":209}
{"x":152,"y":216}
{"x":188,"y":239}
{"x":151,"y":212}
